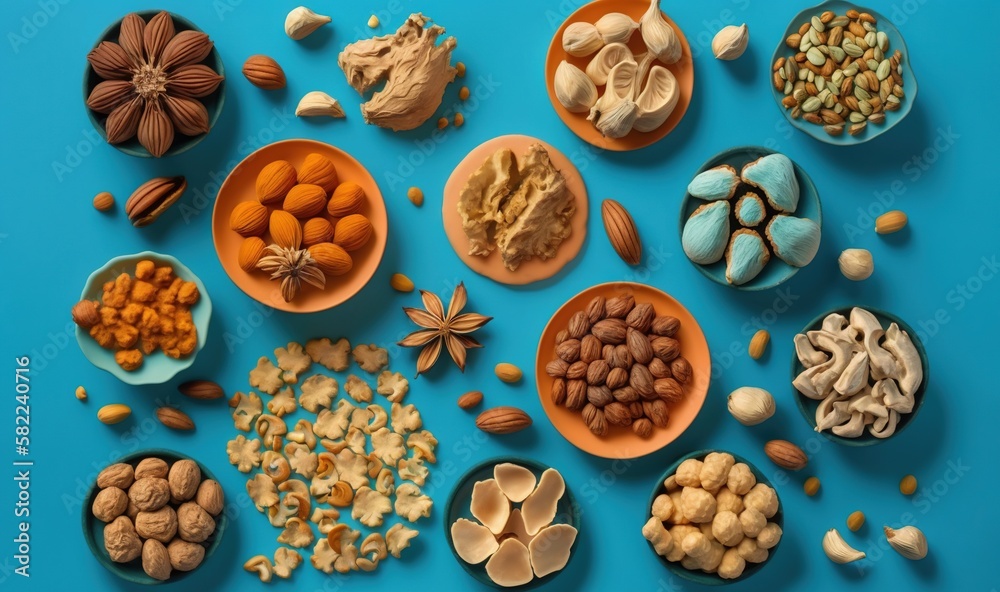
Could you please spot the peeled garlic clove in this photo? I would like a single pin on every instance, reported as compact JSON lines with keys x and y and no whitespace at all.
{"x":618,"y":87}
{"x":730,"y":42}
{"x":837,"y":549}
{"x":774,"y":174}
{"x":574,"y":89}
{"x":746,"y":256}
{"x":301,"y":22}
{"x":750,"y":405}
{"x":795,"y":240}
{"x":660,"y":38}
{"x":616,"y":27}
{"x":657,"y":100}
{"x":716,"y":183}
{"x":581,"y":39}
{"x":318,"y":103}
{"x":610,"y":56}
{"x":706,"y":233}
{"x":909,"y":541}
{"x":750,"y":210}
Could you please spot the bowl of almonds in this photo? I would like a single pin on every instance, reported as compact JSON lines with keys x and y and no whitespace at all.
{"x":842,"y":74}
{"x":622,"y":370}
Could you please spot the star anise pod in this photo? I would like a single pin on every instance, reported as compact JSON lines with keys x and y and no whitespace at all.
{"x":450,"y":330}
{"x":292,"y":267}
{"x":151,"y":79}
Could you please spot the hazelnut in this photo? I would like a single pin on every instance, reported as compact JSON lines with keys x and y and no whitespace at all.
{"x":120,"y":475}
{"x":160,"y":525}
{"x":109,"y":503}
{"x":193,"y":523}
{"x":149,"y":493}
{"x":151,"y":467}
{"x":184,"y":477}
{"x":210,"y":497}
{"x":156,"y":560}
{"x":185,"y":556}
{"x":85,"y":314}
{"x":121,"y":541}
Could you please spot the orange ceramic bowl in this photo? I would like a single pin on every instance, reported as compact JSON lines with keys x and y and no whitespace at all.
{"x":623,"y":442}
{"x":683,"y":70}
{"x":240,"y":186}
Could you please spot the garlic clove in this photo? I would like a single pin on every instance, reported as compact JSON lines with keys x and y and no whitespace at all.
{"x":795,"y":240}
{"x":302,"y":22}
{"x":706,"y":233}
{"x":909,"y":541}
{"x":616,"y":27}
{"x":574,"y":89}
{"x":618,"y":87}
{"x":610,"y":56}
{"x":716,"y":183}
{"x":750,"y":405}
{"x":581,"y":39}
{"x":660,"y":38}
{"x":837,"y":549}
{"x":730,"y":42}
{"x":657,"y":100}
{"x":856,"y":264}
{"x":319,"y":103}
{"x":774,"y":174}
{"x":618,"y":121}
{"x":746,"y":256}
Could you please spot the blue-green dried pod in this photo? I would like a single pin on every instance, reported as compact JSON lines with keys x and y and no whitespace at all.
{"x":706,"y":233}
{"x":715,"y":183}
{"x":746,"y":256}
{"x":774,"y":174}
{"x":794,"y":240}
{"x":750,"y":210}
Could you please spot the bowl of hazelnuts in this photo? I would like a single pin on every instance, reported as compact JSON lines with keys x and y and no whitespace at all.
{"x":154,"y":516}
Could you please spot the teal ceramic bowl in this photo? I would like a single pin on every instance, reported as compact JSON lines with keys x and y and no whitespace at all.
{"x":700,"y":577}
{"x":213,"y":102}
{"x":157,"y":368}
{"x":568,"y":512}
{"x":776,"y":272}
{"x":895,"y":42}
{"x":808,"y":406}
{"x":93,"y":529}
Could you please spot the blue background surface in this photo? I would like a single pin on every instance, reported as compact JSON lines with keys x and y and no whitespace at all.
{"x":939,"y":275}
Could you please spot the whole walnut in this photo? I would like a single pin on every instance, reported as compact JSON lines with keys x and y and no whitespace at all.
{"x":109,"y":503}
{"x":185,"y":556}
{"x":160,"y":524}
{"x":156,"y":560}
{"x":121,"y":540}
{"x":210,"y":497}
{"x":183,"y":478}
{"x":193,"y":523}
{"x":120,"y":475}
{"x":149,"y":493}
{"x":151,"y":467}
{"x":131,"y":511}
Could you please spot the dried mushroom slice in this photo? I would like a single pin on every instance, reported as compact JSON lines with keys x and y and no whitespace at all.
{"x":473,"y":542}
{"x":411,"y":503}
{"x":423,"y":443}
{"x":297,"y":533}
{"x":489,"y":505}
{"x":515,"y":481}
{"x":398,"y":538}
{"x":510,"y":565}
{"x":373,"y":550}
{"x":289,"y":506}
{"x":539,"y":508}
{"x":328,"y":560}
{"x":271,"y":429}
{"x":549,"y":550}
{"x":413,"y":469}
{"x":275,"y":465}
{"x":515,"y":528}
{"x":301,"y":460}
{"x":385,"y":483}
{"x":262,"y":491}
{"x":353,"y":468}
{"x":405,"y":419}
{"x":266,"y":376}
{"x":358,"y":389}
{"x":360,"y":418}
{"x":333,"y":424}
{"x":261,"y":566}
{"x":379,"y":420}
{"x":246,"y":408}
{"x":371,"y":358}
{"x":356,"y":441}
{"x":243,"y":453}
{"x":388,"y":446}
{"x":393,"y":385}
{"x":285,"y":562}
{"x":317,"y":391}
{"x":332,"y":356}
{"x":293,"y":360}
{"x":370,"y":507}
{"x":283,"y":403}
{"x":303,"y":434}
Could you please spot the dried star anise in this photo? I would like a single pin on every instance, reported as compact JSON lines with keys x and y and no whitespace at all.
{"x":450,"y":330}
{"x":151,"y":80}
{"x":291,"y":267}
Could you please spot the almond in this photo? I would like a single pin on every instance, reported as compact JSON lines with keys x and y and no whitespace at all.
{"x":657,"y":412}
{"x":104,"y":201}
{"x":503,"y":420}
{"x":249,"y":218}
{"x":758,"y":344}
{"x":156,"y":131}
{"x":152,"y":198}
{"x":194,"y":81}
{"x":275,"y":181}
{"x":401,"y":283}
{"x":317,"y":230}
{"x":319,"y":170}
{"x":174,"y":418}
{"x":331,"y":258}
{"x":263,"y":72}
{"x":621,"y":231}
{"x":85,"y":313}
{"x":347,"y":199}
{"x":786,"y":455}
{"x":189,"y":116}
{"x":889,"y":222}
{"x":352,"y":232}
{"x":109,"y":94}
{"x":470,"y":399}
{"x":508,"y":372}
{"x":251,"y":250}
{"x":184,"y":49}
{"x":285,"y":229}
{"x":610,"y":331}
{"x":201,"y":389}
{"x":305,"y":200}
{"x":114,"y":413}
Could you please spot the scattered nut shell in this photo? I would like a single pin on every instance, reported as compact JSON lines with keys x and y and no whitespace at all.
{"x":463,"y":93}
{"x":459,"y":120}
{"x":373,"y":21}
{"x":201,"y":389}
{"x":503,"y":420}
{"x":263,"y":72}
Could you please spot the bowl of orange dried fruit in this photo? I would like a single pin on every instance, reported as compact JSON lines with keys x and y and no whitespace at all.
{"x":300,"y":226}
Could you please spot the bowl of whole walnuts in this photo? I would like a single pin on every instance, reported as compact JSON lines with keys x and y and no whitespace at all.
{"x":154,"y":516}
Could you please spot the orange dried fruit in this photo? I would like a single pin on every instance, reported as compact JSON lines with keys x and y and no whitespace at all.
{"x":305,"y":200}
{"x":317,"y":230}
{"x":347,"y":199}
{"x":331,"y":258}
{"x":285,"y":230}
{"x":319,"y":170}
{"x":249,"y":218}
{"x":352,"y":232}
{"x":275,"y":181}
{"x":251,"y":250}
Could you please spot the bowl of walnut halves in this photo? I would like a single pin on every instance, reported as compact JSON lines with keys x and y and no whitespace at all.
{"x":154,"y":516}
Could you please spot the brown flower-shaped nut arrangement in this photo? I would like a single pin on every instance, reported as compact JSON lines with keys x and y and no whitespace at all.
{"x":151,"y":82}
{"x":619,"y":364}
{"x":149,"y":515}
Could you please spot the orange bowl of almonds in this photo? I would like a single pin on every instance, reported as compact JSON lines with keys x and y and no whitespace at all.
{"x":300,"y":226}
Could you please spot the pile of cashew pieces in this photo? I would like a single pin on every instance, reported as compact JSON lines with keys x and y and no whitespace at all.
{"x":864,"y":376}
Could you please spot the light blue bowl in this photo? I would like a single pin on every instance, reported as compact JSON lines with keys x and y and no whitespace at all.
{"x":895,"y":42}
{"x":156,"y":368}
{"x":776,"y":271}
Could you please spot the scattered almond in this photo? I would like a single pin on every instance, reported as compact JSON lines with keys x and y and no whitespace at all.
{"x":459,"y":120}
{"x":373,"y":21}
{"x":508,"y":372}
{"x":201,"y":389}
{"x":285,"y":229}
{"x":81,"y":393}
{"x":174,"y":419}
{"x":317,"y":230}
{"x":347,"y":199}
{"x":248,"y":218}
{"x":758,"y":344}
{"x":263,"y":72}
{"x":503,"y":420}
{"x":352,"y":232}
{"x":621,"y":231}
{"x":113,"y":413}
{"x":401,"y":283}
{"x":104,"y":201}
{"x":786,"y":455}
{"x":811,"y":486}
{"x":275,"y":181}
{"x":470,"y":399}
{"x":460,"y":69}
{"x":463,"y":93}
{"x":415,"y":195}
{"x":908,"y":485}
{"x":442,"y":123}
{"x":890,"y":222}
{"x":251,"y":250}
{"x":856,"y":520}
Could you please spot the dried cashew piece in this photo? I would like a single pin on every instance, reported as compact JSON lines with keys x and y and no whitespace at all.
{"x":283,"y":402}
{"x":423,"y":443}
{"x":405,"y":418}
{"x":261,"y":566}
{"x":293,"y":360}
{"x":412,"y":469}
{"x":358,"y":389}
{"x":243,"y":453}
{"x":297,"y":533}
{"x":266,"y":376}
{"x":285,"y":562}
{"x":317,"y":391}
{"x":246,"y":408}
{"x":393,"y":385}
{"x":370,"y":506}
{"x":385,"y":483}
{"x":289,"y":506}
{"x":398,"y":538}
{"x":388,"y":446}
{"x":333,"y":424}
{"x":275,"y":465}
{"x":302,"y":460}
{"x":372,"y":551}
{"x":262,"y":491}
{"x":371,"y":358}
{"x":411,"y":503}
{"x":332,"y":356}
{"x":327,"y":560}
{"x":380,"y":418}
{"x":321,"y":514}
{"x":303,"y":434}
